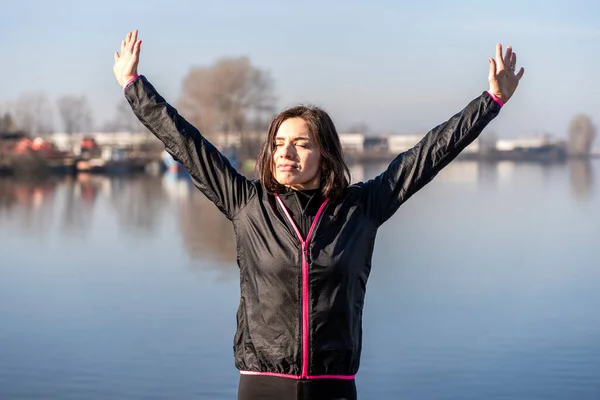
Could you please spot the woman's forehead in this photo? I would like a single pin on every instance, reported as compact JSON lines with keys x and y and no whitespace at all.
{"x":293,"y":128}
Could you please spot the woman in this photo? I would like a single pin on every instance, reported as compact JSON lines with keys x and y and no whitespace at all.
{"x":305,"y":236}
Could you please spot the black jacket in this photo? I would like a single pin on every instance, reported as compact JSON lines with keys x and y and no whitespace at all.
{"x":300,"y":312}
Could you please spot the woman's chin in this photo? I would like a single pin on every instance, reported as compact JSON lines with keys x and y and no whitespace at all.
{"x":295,"y":183}
{"x":287,"y":182}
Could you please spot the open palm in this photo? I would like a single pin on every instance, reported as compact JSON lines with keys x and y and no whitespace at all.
{"x":126,"y":63}
{"x":502,"y":78}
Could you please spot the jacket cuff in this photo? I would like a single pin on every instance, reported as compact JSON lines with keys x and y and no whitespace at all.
{"x":496,"y":99}
{"x":130,"y":80}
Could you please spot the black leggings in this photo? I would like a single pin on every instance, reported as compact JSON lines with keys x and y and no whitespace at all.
{"x":254,"y":387}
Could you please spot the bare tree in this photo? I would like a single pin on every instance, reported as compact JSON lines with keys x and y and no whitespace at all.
{"x":582,"y":133}
{"x":33,"y":113}
{"x":229,"y":97}
{"x":124,"y":120}
{"x":7,"y":124}
{"x":75,"y":113}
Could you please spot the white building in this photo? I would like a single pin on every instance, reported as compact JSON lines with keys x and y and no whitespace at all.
{"x":352,"y":141}
{"x":401,"y":143}
{"x":521,"y":143}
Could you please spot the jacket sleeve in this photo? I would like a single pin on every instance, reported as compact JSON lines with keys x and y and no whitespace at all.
{"x":413,"y":169}
{"x":210,"y":170}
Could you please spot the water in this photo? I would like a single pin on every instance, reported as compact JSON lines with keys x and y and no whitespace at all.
{"x":484,"y":285}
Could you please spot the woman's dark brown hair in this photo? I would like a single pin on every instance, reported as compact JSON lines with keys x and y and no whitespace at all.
{"x":335,"y":175}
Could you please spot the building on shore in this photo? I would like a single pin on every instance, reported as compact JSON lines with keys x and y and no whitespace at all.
{"x":382,"y":148}
{"x":352,"y":142}
{"x":532,"y":148}
{"x":72,"y":141}
{"x":242,"y":149}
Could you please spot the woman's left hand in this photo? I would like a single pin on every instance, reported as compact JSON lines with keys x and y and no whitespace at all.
{"x":502,"y":77}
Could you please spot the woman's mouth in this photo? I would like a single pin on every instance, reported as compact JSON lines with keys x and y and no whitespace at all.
{"x":287,"y":167}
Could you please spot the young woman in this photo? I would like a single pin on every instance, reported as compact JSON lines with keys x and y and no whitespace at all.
{"x":305,"y":236}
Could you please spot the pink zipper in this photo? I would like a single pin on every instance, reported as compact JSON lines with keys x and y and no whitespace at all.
{"x":304,"y":243}
{"x":305,"y":310}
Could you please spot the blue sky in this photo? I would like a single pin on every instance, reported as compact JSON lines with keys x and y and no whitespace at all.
{"x":398,"y":66}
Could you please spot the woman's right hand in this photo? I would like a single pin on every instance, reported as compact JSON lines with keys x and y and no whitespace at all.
{"x":126,"y":64}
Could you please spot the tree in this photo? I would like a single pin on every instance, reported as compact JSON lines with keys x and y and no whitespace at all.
{"x":228,"y":97}
{"x":33,"y":113}
{"x":124,"y":120}
{"x":7,"y":125}
{"x":581,"y":135}
{"x":75,"y":113}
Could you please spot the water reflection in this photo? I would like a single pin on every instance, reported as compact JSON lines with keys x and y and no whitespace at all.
{"x":582,"y":178}
{"x":205,"y":230}
{"x":26,"y":203}
{"x":79,"y":198}
{"x":502,"y":307}
{"x":139,"y":202}
{"x":144,"y":203}
{"x":492,"y":174}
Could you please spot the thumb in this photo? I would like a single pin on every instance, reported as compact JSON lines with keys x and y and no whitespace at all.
{"x":116,"y":56}
{"x":492,"y":73}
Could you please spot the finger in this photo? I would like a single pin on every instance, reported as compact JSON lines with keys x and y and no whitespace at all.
{"x":513,"y":61}
{"x":520,"y":73}
{"x":126,"y":41}
{"x":499,"y":55}
{"x":507,"y":56}
{"x":129,"y":43}
{"x":136,"y":48}
{"x":492,"y":73}
{"x":133,"y":41}
{"x":116,"y":56}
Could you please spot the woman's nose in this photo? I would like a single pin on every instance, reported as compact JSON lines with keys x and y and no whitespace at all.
{"x":286,"y":151}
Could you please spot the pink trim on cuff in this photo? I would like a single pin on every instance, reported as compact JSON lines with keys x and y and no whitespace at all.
{"x":496,"y":99}
{"x":129,"y":81}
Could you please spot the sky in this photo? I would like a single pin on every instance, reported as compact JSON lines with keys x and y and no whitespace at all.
{"x":399,"y":67}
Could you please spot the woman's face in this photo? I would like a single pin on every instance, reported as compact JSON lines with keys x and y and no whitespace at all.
{"x":296,"y":160}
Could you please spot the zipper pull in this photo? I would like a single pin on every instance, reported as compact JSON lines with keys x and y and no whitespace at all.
{"x":305,"y":252}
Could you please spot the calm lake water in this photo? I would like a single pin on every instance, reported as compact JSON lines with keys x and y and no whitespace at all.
{"x":485,"y":285}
